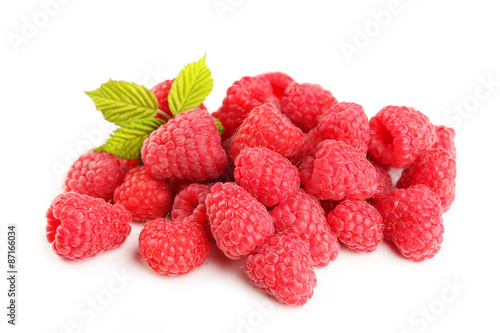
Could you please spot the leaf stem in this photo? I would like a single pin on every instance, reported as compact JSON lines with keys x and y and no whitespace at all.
{"x":163,"y":114}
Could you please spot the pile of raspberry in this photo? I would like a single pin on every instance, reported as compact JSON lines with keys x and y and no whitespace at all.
{"x":294,"y":174}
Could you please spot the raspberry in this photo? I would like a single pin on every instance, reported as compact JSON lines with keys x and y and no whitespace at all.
{"x":302,"y":214}
{"x":177,"y":185}
{"x":413,"y":221}
{"x":311,"y":140}
{"x":334,"y":170}
{"x":282,"y":267}
{"x":445,"y":136}
{"x":398,"y":134}
{"x":241,"y":98}
{"x":173,"y":247}
{"x":145,"y":196}
{"x":189,"y":205}
{"x":187,"y":147}
{"x":228,"y":174}
{"x":129,"y":164}
{"x":357,"y":224}
{"x":161,"y":91}
{"x":345,"y":122}
{"x":226,"y":144}
{"x":384,"y":181}
{"x":266,"y":127}
{"x":328,"y":205}
{"x":435,"y":168}
{"x":268,"y":176}
{"x":279,"y":82}
{"x":373,"y":161}
{"x":80,"y":226}
{"x":239,"y":223}
{"x":304,"y":103}
{"x":96,"y":173}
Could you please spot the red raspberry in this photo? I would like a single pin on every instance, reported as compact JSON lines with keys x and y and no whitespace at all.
{"x":187,"y":147}
{"x":328,"y":205}
{"x":302,"y":214}
{"x":96,"y":173}
{"x":173,"y":247}
{"x":239,"y":223}
{"x":373,"y":161}
{"x":145,"y":196}
{"x":384,"y":181}
{"x":398,"y":134}
{"x":279,"y":82}
{"x":304,"y":103}
{"x":357,"y":224}
{"x":189,"y":205}
{"x":282,"y":267}
{"x":129,"y":164}
{"x":334,"y":170}
{"x":268,"y":176}
{"x":227,"y":175}
{"x":161,"y":91}
{"x":435,"y":168}
{"x":226,"y":144}
{"x":445,"y":136}
{"x":345,"y":122}
{"x":311,"y":140}
{"x":241,"y":98}
{"x":266,"y":127}
{"x":80,"y":226}
{"x":177,"y":185}
{"x":413,"y":221}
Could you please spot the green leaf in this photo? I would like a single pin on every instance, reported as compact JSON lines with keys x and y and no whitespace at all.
{"x":127,"y":141}
{"x":191,"y":87}
{"x":123,"y":102}
{"x":220,"y":127}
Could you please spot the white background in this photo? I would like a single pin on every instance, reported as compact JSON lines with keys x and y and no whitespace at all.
{"x":432,"y":55}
